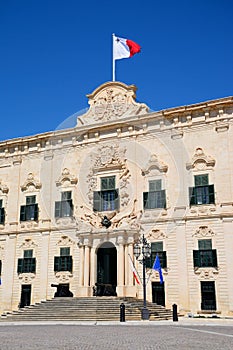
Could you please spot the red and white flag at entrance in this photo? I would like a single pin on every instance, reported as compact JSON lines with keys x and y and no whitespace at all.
{"x":135,"y":273}
{"x":124,"y":48}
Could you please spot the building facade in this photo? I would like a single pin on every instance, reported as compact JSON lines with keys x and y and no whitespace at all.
{"x":73,"y":202}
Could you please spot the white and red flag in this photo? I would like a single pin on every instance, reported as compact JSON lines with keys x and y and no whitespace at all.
{"x":124,"y":48}
{"x":135,"y":273}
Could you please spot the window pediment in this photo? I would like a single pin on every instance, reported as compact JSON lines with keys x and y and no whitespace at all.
{"x":66,"y":178}
{"x":31,"y":184}
{"x":200,"y":161}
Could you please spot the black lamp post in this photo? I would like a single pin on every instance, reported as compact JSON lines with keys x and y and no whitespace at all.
{"x":142,"y":249}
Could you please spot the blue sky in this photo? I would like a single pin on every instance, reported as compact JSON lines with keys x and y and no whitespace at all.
{"x":54,"y":52}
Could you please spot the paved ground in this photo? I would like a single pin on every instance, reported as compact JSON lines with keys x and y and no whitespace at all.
{"x":185,"y":334}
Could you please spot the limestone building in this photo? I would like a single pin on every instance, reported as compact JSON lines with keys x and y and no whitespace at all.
{"x":73,"y":202}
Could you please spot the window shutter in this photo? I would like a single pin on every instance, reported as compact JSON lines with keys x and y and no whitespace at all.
{"x":20,"y":266}
{"x":57,"y":209}
{"x":116,"y":199}
{"x":211,"y":194}
{"x":57,"y":263}
{"x":163,"y":257}
{"x":163,"y":199}
{"x":0,"y":267}
{"x":97,"y":201}
{"x":36,"y":212}
{"x":149,"y":262}
{"x":33,"y":265}
{"x":70,"y":203}
{"x":2,"y":216}
{"x":69,"y":263}
{"x":23,"y":213}
{"x":214,"y":257}
{"x":196,"y":258}
{"x":192,"y":196}
{"x":145,"y":200}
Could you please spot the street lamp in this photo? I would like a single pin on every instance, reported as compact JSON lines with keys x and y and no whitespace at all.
{"x":142,"y":249}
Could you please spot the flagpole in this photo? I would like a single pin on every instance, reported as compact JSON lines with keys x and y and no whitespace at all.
{"x":113,"y":61}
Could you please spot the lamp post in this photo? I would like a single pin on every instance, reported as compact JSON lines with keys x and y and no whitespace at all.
{"x":142,"y":249}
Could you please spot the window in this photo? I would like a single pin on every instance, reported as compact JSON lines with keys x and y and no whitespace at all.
{"x":30,"y":210}
{"x":108,"y":198}
{"x":28,"y":263}
{"x":63,"y":262}
{"x":156,"y":197}
{"x":157,"y":248}
{"x":205,"y":256}
{"x":0,"y":268}
{"x":202,"y":193}
{"x":64,"y":208}
{"x":2,"y":213}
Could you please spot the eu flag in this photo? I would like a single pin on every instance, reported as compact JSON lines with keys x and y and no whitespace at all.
{"x":157,"y":267}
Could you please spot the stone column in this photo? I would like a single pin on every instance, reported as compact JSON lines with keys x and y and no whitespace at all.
{"x":120,"y":267}
{"x":81,"y":265}
{"x":130,"y":288}
{"x":92,"y":268}
{"x":44,"y":263}
{"x":86,"y":265}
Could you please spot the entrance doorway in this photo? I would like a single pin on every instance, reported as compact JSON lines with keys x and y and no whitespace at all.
{"x":106,"y":270}
{"x":158,"y":294}
{"x":25,"y":299}
{"x":208,"y":299}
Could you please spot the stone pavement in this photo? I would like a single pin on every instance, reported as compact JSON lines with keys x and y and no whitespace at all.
{"x":187,"y":333}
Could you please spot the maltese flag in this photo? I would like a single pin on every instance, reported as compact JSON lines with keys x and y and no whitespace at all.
{"x":124,"y":48}
{"x":135,"y":273}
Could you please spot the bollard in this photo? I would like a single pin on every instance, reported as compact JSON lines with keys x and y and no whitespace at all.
{"x":122,"y":312}
{"x":174,"y":313}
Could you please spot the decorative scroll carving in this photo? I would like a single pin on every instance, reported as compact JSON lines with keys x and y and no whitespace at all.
{"x":203,"y":231}
{"x":156,"y":234}
{"x":112,"y":101}
{"x":208,"y":273}
{"x":63,"y":276}
{"x":28,"y":244}
{"x":65,"y":241}
{"x":26,"y":278}
{"x":31,"y":184}
{"x":3,"y":188}
{"x":66,"y":178}
{"x":200,"y":161}
{"x":110,"y":157}
{"x":154,"y":163}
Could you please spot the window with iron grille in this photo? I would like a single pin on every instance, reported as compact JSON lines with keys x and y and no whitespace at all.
{"x":156,"y":197}
{"x":27,"y":264}
{"x":157,"y":248}
{"x":202,"y":192}
{"x":2,"y":213}
{"x":205,"y":256}
{"x":108,"y":198}
{"x":64,"y":208}
{"x":64,"y":262}
{"x":29,"y":211}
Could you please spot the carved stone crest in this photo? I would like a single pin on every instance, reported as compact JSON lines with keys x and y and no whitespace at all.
{"x":31,"y":184}
{"x":203,"y":231}
{"x":112,"y":101}
{"x":200,"y":161}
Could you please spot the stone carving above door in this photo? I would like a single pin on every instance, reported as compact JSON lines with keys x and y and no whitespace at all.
{"x":112,"y":101}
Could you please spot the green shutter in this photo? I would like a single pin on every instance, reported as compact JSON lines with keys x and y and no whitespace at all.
{"x":0,"y":267}
{"x":211,"y":194}
{"x":65,"y":251}
{"x":57,"y":209}
{"x":69,"y":263}
{"x":205,"y":244}
{"x":196,"y":258}
{"x":20,"y":265}
{"x":57,"y":263}
{"x":97,"y":201}
{"x":33,"y":265}
{"x":145,"y":200}
{"x":36,"y":212}
{"x":201,"y":180}
{"x":163,"y":199}
{"x":214,"y":257}
{"x":116,"y":199}
{"x":23,"y":213}
{"x":2,"y":216}
{"x":192,"y":196}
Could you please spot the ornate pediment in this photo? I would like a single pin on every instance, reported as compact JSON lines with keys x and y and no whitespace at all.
{"x":200,"y":161}
{"x":66,"y":178}
{"x":31,"y":184}
{"x":154,"y":163}
{"x":112,"y":101}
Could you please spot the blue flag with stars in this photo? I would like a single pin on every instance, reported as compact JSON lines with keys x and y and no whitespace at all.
{"x":157,"y":267}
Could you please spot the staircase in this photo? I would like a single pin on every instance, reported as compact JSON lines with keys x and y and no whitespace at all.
{"x":86,"y":309}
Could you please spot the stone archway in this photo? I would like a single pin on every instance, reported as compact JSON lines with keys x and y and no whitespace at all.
{"x":106,"y":270}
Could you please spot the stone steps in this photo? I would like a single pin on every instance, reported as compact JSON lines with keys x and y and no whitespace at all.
{"x":86,"y":309}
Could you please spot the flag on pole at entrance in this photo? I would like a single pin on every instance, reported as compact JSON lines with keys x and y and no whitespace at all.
{"x":124,"y":48}
{"x":135,"y":273}
{"x":157,"y":267}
